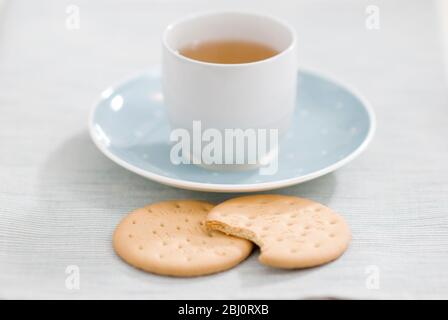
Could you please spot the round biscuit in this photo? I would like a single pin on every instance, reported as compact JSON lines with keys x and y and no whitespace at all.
{"x":171,"y":238}
{"x":291,"y":232}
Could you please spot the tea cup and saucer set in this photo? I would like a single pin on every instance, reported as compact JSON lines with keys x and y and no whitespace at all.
{"x":235,"y":114}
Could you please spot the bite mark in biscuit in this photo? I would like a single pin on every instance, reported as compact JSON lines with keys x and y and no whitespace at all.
{"x":291,"y":232}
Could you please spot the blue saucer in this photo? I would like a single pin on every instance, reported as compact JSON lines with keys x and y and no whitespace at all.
{"x":331,"y":126}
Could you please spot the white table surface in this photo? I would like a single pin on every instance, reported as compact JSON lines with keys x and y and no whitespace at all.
{"x":60,"y":199}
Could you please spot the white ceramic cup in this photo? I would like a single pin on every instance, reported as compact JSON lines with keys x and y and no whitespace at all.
{"x":259,"y":94}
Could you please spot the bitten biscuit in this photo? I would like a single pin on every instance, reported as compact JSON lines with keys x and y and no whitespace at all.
{"x":171,"y":238}
{"x":291,"y":232}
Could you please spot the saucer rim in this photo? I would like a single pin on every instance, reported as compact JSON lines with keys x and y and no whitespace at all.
{"x":252,"y":187}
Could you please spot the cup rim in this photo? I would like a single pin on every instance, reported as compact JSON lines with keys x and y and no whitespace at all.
{"x":177,"y":22}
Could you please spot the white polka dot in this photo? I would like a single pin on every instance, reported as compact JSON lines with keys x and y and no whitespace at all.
{"x":138,"y":134}
{"x":158,"y":114}
{"x":107,"y":93}
{"x":116,"y":102}
{"x":156,"y":97}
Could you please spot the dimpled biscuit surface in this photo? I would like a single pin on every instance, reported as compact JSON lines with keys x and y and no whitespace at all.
{"x":291,"y":232}
{"x":171,"y":238}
